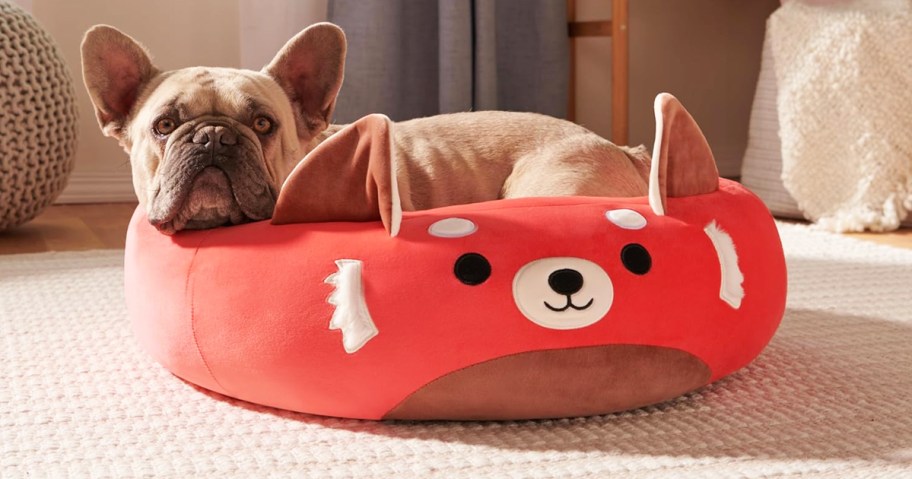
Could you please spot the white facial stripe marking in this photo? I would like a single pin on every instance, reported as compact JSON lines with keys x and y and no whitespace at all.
{"x":351,"y":314}
{"x":627,"y":219}
{"x":731,"y":290}
{"x":452,"y":228}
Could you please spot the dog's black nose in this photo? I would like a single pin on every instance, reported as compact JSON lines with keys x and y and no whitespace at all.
{"x":214,"y":136}
{"x":566,"y":281}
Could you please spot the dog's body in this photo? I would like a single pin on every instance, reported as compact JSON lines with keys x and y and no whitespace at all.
{"x":471,"y":157}
{"x":213,"y":146}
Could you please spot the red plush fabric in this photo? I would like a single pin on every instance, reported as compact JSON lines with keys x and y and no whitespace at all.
{"x":243,"y":310}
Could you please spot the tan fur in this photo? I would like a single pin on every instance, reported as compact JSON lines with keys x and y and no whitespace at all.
{"x":448,"y":159}
{"x":470,"y":157}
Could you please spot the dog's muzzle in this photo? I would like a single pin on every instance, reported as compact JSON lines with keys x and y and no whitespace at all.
{"x":211,"y":175}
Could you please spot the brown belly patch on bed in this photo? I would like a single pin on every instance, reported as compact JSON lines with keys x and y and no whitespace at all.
{"x":558,"y":383}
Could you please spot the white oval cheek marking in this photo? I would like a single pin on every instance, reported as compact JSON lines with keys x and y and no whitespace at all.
{"x":452,"y":228}
{"x":627,"y":219}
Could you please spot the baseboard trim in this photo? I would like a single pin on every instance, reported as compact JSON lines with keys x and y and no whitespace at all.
{"x":98,"y":187}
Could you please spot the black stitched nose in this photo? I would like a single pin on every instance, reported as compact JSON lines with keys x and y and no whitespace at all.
{"x":566,"y":281}
{"x":215,"y":135}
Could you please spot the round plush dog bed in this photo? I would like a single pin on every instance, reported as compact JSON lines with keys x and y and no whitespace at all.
{"x":508,"y":309}
{"x":37,"y":118}
{"x":446,"y":320}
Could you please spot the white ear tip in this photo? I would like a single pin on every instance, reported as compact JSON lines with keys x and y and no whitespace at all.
{"x":452,"y":228}
{"x":627,"y":219}
{"x":395,"y":200}
{"x":655,"y":189}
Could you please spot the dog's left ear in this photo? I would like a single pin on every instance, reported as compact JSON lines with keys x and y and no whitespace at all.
{"x":682,"y":163}
{"x":115,"y":68}
{"x":310,"y":69}
{"x":349,"y":177}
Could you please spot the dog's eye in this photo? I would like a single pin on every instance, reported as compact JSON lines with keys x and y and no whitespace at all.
{"x":165,"y":126}
{"x":262,"y":125}
{"x":636,"y":259}
{"x":472,"y":269}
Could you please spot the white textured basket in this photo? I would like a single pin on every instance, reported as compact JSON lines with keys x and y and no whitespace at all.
{"x":37,"y":118}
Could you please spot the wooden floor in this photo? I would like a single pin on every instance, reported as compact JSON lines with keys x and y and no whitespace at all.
{"x":901,"y":238}
{"x":70,"y":228}
{"x":101,"y":226}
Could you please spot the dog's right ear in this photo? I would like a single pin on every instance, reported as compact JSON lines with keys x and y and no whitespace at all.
{"x":310,"y":69}
{"x":114,"y":67}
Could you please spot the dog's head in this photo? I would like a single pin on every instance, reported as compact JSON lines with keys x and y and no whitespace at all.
{"x":212,"y":146}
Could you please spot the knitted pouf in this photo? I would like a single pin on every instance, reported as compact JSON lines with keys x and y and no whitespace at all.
{"x":37,"y":118}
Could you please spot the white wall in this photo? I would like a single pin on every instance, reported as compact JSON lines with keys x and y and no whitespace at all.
{"x":267,"y":24}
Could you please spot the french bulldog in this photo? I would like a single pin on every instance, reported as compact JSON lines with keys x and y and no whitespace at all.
{"x":213,"y":146}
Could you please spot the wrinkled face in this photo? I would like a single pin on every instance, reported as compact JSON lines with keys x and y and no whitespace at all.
{"x":210,"y":147}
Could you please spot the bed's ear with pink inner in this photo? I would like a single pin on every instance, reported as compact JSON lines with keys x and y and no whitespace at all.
{"x":682,"y":162}
{"x":349,"y":177}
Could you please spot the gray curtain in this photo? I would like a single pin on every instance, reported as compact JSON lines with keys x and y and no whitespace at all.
{"x":414,"y":58}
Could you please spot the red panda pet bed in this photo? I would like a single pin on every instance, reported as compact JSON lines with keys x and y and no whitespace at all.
{"x":509,"y":309}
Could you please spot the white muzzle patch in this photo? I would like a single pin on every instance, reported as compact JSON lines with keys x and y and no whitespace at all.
{"x":563,"y":292}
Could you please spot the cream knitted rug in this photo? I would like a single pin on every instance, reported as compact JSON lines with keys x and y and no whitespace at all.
{"x":845,"y":110}
{"x":830,"y":397}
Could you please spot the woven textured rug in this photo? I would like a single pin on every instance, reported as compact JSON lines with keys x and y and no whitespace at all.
{"x":830,"y":397}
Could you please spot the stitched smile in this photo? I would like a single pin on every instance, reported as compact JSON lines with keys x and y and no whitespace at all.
{"x":569,"y":305}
